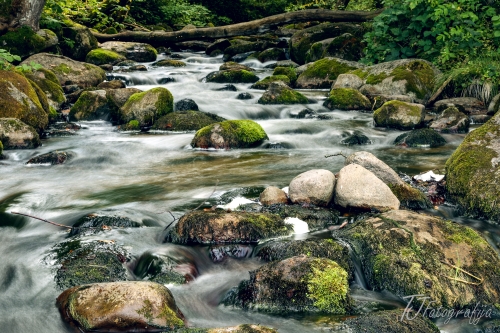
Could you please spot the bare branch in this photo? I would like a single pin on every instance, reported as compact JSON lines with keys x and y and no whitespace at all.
{"x":336,"y":154}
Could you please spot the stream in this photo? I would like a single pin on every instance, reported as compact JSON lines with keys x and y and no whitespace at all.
{"x":145,"y":175}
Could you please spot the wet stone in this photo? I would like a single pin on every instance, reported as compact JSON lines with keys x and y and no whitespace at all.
{"x":228,"y":87}
{"x":220,"y":253}
{"x":244,"y":96}
{"x":93,"y":224}
{"x":52,"y":158}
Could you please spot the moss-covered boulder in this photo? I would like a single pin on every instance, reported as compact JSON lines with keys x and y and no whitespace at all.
{"x":140,"y":52}
{"x":230,"y":134}
{"x":48,"y":83}
{"x":424,"y":137}
{"x":346,"y":46}
{"x":451,"y":120}
{"x":324,"y":72}
{"x":186,"y":121}
{"x":82,"y":40}
{"x":288,"y":71}
{"x":91,"y":105}
{"x":113,"y":84}
{"x":399,"y":115}
{"x":234,"y":66}
{"x":169,"y":63}
{"x":25,"y":42}
{"x":279,"y":93}
{"x":415,"y":254}
{"x":14,"y":134}
{"x":347,"y":99}
{"x":148,"y":106}
{"x":406,"y":77}
{"x":217,"y":47}
{"x":19,"y":99}
{"x":118,"y":97}
{"x":163,"y":269}
{"x":317,"y":218}
{"x":473,"y":172}
{"x":265,"y":82}
{"x":103,"y":57}
{"x":219,"y":227}
{"x":68,"y":71}
{"x":350,"y":81}
{"x":121,"y":307}
{"x":232,"y":76}
{"x":271,"y":54}
{"x":467,"y":105}
{"x":297,"y":284}
{"x":239,"y":46}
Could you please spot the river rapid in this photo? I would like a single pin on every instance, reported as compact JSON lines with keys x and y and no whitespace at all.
{"x":145,"y":175}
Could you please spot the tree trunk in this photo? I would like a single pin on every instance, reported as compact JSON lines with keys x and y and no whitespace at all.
{"x":18,"y":13}
{"x":240,"y":29}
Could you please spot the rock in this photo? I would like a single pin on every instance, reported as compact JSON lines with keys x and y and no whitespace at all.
{"x":164,"y":269}
{"x":118,"y":97}
{"x":424,"y":137}
{"x":68,"y":71}
{"x":121,"y":306}
{"x":350,"y":81}
{"x":231,"y":65}
{"x":228,"y":87}
{"x":279,"y":93}
{"x":240,"y":47}
{"x":389,"y":322}
{"x":230,"y":134}
{"x":84,"y":41}
{"x":25,"y":42}
{"x":148,"y":106}
{"x":451,"y":121}
{"x":186,"y":121}
{"x":219,"y":227}
{"x":192,"y":45}
{"x":14,"y":134}
{"x":283,"y":63}
{"x":189,"y":27}
{"x":313,"y":187}
{"x":91,"y":105}
{"x":378,"y":100}
{"x":287,"y":71}
{"x":494,"y":105}
{"x":467,"y":105}
{"x":347,"y":99}
{"x":232,"y":76}
{"x":126,"y":63}
{"x":273,"y":195}
{"x":19,"y":99}
{"x":264,"y":83}
{"x":52,"y":158}
{"x":244,"y":95}
{"x":61,"y":129}
{"x":219,"y":253}
{"x":103,"y":57}
{"x":92,"y":224}
{"x":346,"y":46}
{"x":472,"y":172}
{"x":48,"y":83}
{"x":356,"y":138}
{"x":169,"y":63}
{"x":479,"y":118}
{"x":413,"y":254}
{"x":245,"y":328}
{"x":272,"y":54}
{"x":113,"y":84}
{"x":186,"y":104}
{"x":297,"y":284}
{"x":140,"y":52}
{"x":324,"y":72}
{"x":399,"y":115}
{"x":317,"y":218}
{"x":220,"y":44}
{"x":358,"y":188}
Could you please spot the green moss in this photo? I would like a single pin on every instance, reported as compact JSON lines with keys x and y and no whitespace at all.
{"x":410,"y":197}
{"x":186,"y":121}
{"x":347,"y":99}
{"x":359,"y":73}
{"x":419,"y":77}
{"x":232,"y":76}
{"x":171,"y":318}
{"x":462,"y":234}
{"x":236,"y":134}
{"x":328,"y":286}
{"x":169,"y":63}
{"x":288,"y":71}
{"x":75,"y":314}
{"x":375,"y":79}
{"x":23,"y":42}
{"x":326,"y":69}
{"x":315,"y":53}
{"x":390,"y":115}
{"x":282,"y":95}
{"x":102,"y":57}
{"x":1,"y":148}
{"x":47,"y":81}
{"x":264,"y":83}
{"x":134,"y":106}
{"x":110,"y":31}
{"x":146,"y":311}
{"x":133,"y":125}
{"x":271,"y":54}
{"x":42,"y":98}
{"x":63,"y":69}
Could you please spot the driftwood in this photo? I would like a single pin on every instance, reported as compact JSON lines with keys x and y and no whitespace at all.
{"x":239,"y":29}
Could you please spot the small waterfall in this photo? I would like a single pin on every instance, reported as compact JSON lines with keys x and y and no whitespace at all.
{"x":359,"y":276}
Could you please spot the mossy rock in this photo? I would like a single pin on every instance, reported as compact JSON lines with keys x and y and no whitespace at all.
{"x":264,"y":83}
{"x":232,"y":76}
{"x":18,"y":99}
{"x":91,"y":105}
{"x":42,"y":98}
{"x":240,"y":46}
{"x":345,"y":46}
{"x":52,"y":158}
{"x":82,"y":41}
{"x":1,"y":148}
{"x":279,"y":93}
{"x":415,"y":254}
{"x":25,"y":42}
{"x":317,"y":218}
{"x":234,"y":66}
{"x":271,"y":54}
{"x":158,"y":268}
{"x":230,"y":134}
{"x":186,"y":121}
{"x":103,"y":57}
{"x":169,"y":63}
{"x":288,"y":71}
{"x":47,"y":81}
{"x":424,"y":137}
{"x":245,"y":328}
{"x":324,"y":72}
{"x":472,"y":172}
{"x":451,"y":120}
{"x":410,"y":197}
{"x":297,"y":284}
{"x":14,"y":134}
{"x":220,"y":227}
{"x":148,"y":106}
{"x":347,"y":99}
{"x":140,"y":52}
{"x":93,"y":224}
{"x":399,"y":115}
{"x":355,"y":138}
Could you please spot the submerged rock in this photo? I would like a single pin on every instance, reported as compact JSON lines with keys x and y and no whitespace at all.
{"x":52,"y":158}
{"x":312,"y":187}
{"x":244,"y":96}
{"x":230,"y":134}
{"x":356,"y":138}
{"x":228,"y":87}
{"x":218,"y":227}
{"x":219,"y":253}
{"x":14,"y":134}
{"x":279,"y":93}
{"x":92,"y":224}
{"x":424,"y":137}
{"x":163,"y":269}
{"x":264,"y":83}
{"x":121,"y":307}
{"x":399,"y":115}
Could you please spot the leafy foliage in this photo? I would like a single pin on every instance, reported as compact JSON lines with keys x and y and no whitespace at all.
{"x":6,"y":60}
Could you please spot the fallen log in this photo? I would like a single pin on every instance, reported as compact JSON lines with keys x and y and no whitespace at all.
{"x":239,"y":29}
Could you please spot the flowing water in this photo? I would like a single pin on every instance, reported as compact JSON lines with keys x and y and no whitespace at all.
{"x":143,"y":176}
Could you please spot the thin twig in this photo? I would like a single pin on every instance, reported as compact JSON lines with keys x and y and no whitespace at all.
{"x":50,"y":222}
{"x":463,"y":271}
{"x":215,"y":188}
{"x":336,"y":154}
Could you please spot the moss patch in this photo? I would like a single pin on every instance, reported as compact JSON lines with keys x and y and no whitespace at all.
{"x":410,"y":197}
{"x":148,"y":106}
{"x":347,"y":99}
{"x":400,"y":115}
{"x":325,"y":71}
{"x":234,"y":133}
{"x":169,"y":63}
{"x":280,"y":93}
{"x":419,"y":77}
{"x":186,"y":121}
{"x":288,"y":71}
{"x":22,"y":42}
{"x":232,"y":76}
{"x":264,"y":83}
{"x":103,"y":57}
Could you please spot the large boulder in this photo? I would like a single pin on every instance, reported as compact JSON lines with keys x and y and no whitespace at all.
{"x":324,"y":72}
{"x":312,"y":187}
{"x":279,"y":93}
{"x":451,"y":120}
{"x":232,"y":76}
{"x":297,"y":284}
{"x":473,"y":172}
{"x":219,"y":227}
{"x":91,"y":105}
{"x":140,"y":52}
{"x":48,"y":83}
{"x":231,"y":65}
{"x":121,"y":307}
{"x":14,"y":134}
{"x":358,"y":188}
{"x":467,"y":105}
{"x":287,"y":71}
{"x":148,"y":106}
{"x":68,"y":71}
{"x":186,"y":121}
{"x":242,"y":47}
{"x":347,"y":99}
{"x":416,"y":254}
{"x":424,"y":137}
{"x":118,"y":97}
{"x":230,"y":134}
{"x":272,"y":54}
{"x":82,"y":41}
{"x":25,"y":42}
{"x":399,"y":115}
{"x":52,"y":158}
{"x":265,"y":82}
{"x":350,"y":81}
{"x":346,"y":46}
{"x":19,"y":99}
